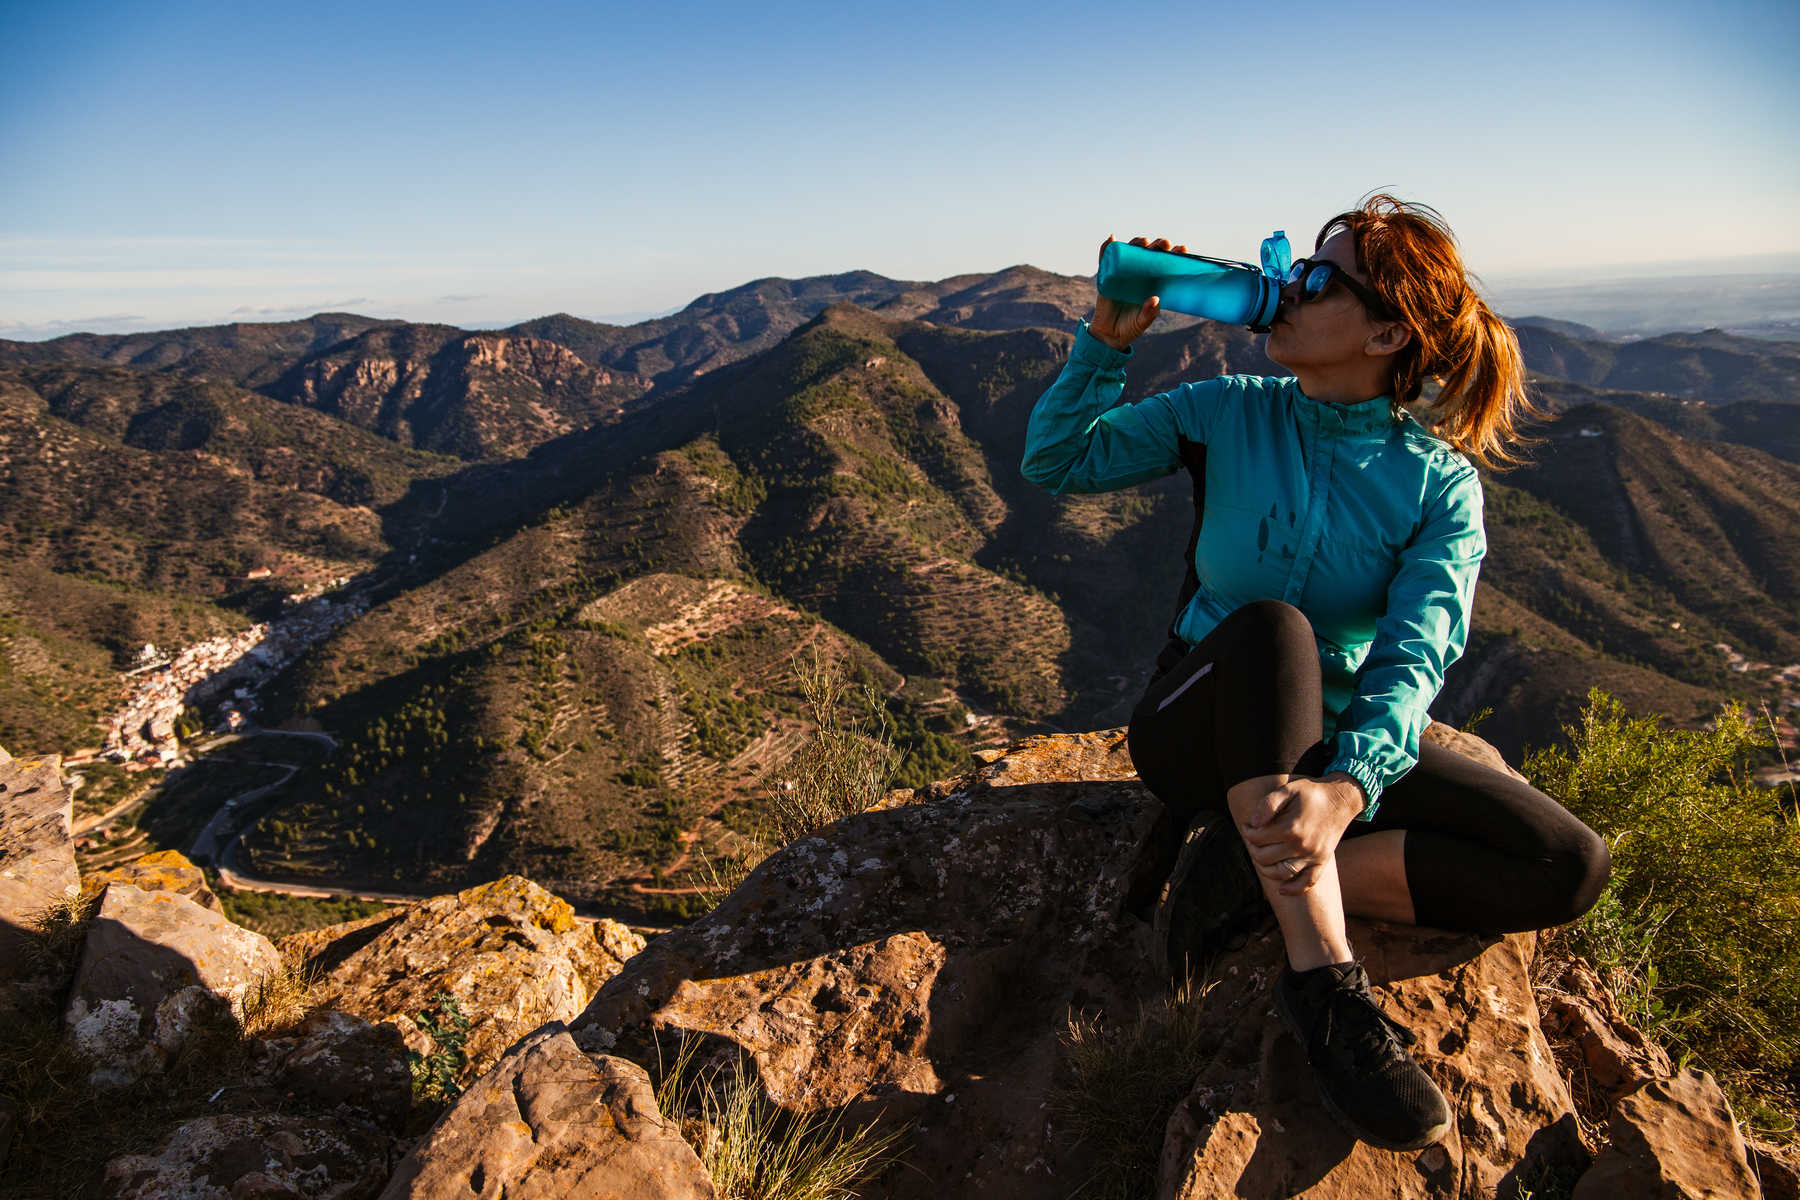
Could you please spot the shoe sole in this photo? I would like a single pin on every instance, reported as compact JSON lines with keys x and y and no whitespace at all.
{"x":1430,"y":1138}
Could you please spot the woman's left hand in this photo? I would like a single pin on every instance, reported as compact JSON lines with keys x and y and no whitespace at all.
{"x":1293,"y":831}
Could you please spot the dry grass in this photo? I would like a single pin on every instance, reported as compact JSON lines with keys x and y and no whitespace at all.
{"x":755,"y":1151}
{"x":277,"y":1001}
{"x":845,"y":766}
{"x":1122,"y":1081}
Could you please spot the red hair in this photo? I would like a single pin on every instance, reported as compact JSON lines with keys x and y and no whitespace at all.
{"x":1412,"y":262}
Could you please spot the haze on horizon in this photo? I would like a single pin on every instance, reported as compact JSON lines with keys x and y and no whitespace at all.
{"x":206,"y":163}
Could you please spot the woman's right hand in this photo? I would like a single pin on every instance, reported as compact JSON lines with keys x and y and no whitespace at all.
{"x":1119,"y":325}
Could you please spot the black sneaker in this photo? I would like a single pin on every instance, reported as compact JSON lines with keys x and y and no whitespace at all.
{"x":1366,"y":1078}
{"x":1214,"y":903}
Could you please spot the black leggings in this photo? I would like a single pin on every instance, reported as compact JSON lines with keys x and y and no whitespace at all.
{"x":1484,"y":851}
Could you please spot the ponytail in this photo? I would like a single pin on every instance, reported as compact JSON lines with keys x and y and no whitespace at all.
{"x":1411,"y":259}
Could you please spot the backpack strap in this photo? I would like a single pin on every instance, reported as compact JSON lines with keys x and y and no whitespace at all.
{"x":1193,"y":457}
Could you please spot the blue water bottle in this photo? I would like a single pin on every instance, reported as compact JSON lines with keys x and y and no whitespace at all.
{"x":1215,"y":288}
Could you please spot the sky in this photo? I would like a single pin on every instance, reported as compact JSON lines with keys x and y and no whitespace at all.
{"x":183,"y":162}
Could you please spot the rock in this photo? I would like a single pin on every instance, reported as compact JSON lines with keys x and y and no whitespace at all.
{"x":1614,"y":1058}
{"x":512,"y":954}
{"x":161,"y":871}
{"x":37,"y":857}
{"x":1673,"y":1139}
{"x":1775,"y":1169}
{"x":550,"y":1121}
{"x":155,"y":967}
{"x":1253,"y":1124}
{"x":920,"y":964}
{"x":256,"y":1156}
{"x":342,"y":1059}
{"x":1468,"y":745}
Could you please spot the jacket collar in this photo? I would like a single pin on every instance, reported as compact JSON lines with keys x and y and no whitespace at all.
{"x":1367,"y":416}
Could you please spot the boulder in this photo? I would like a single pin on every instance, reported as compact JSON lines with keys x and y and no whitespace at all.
{"x":920,"y":963}
{"x":155,"y":967}
{"x":1672,"y":1139}
{"x":1468,"y":745}
{"x":161,"y":871}
{"x":344,"y":1060}
{"x":549,"y":1121}
{"x":262,"y":1156}
{"x":512,"y":954}
{"x":37,"y":857}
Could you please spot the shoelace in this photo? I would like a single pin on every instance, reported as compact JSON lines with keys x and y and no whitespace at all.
{"x":1354,"y":988}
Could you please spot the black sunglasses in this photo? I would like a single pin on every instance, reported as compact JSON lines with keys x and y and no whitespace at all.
{"x":1315,"y":276}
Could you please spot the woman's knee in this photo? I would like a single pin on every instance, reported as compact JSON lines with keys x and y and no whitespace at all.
{"x":1274,"y":621}
{"x":1582,"y":870}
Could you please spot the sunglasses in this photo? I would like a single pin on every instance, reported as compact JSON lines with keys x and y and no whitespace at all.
{"x":1315,"y":277}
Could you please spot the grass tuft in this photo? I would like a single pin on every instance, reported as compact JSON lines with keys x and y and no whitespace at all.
{"x":755,"y":1151}
{"x":277,"y":1001}
{"x":1122,"y":1082}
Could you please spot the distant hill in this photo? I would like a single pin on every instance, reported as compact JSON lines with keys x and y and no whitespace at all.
{"x":1711,"y":366}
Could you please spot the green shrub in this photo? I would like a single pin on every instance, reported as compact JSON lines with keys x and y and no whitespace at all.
{"x":1699,"y":931}
{"x":434,"y":1075}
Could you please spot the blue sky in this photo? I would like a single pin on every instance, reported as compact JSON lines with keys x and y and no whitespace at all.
{"x":184,"y":162}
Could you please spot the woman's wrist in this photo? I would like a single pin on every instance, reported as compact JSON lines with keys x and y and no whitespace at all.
{"x":1347,"y":792}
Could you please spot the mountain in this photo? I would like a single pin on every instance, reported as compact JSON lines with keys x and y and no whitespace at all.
{"x":578,"y":656}
{"x":1711,"y":366}
{"x":133,"y":507}
{"x":250,"y":354}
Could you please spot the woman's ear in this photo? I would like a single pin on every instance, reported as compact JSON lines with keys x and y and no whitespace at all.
{"x":1391,"y":338}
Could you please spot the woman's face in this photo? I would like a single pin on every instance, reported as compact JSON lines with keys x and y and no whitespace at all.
{"x":1329,"y":332}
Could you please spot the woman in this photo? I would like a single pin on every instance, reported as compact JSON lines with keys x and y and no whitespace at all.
{"x":1335,"y":563}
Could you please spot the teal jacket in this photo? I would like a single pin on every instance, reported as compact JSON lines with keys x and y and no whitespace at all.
{"x":1362,"y":520}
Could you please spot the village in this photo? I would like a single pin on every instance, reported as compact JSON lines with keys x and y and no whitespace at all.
{"x":1781,"y":714}
{"x":221,"y":672}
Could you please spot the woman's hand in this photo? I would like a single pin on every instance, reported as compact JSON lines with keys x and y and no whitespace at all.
{"x":1293,"y":831}
{"x":1119,"y":325}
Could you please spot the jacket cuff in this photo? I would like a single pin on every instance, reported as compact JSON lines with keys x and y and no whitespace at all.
{"x":1365,"y":777}
{"x":1096,"y":353}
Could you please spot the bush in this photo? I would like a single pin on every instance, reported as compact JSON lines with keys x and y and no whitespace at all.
{"x":844,"y":767}
{"x":434,"y":1075}
{"x":1699,"y":932}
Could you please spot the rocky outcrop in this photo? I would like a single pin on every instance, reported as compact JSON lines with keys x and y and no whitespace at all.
{"x":160,"y":871}
{"x":37,"y":860}
{"x":258,"y":1157}
{"x":1253,"y":1124}
{"x":155,"y":968}
{"x":512,"y":954}
{"x":921,"y":963}
{"x":1673,"y":1139}
{"x":550,"y":1121}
